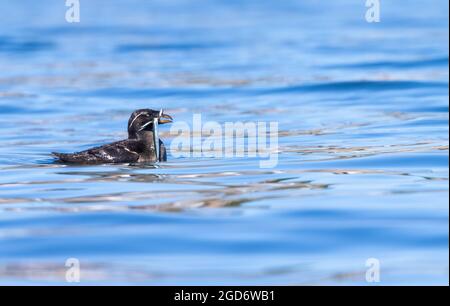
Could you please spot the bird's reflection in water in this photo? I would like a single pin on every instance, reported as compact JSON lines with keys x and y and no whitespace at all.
{"x":123,"y":174}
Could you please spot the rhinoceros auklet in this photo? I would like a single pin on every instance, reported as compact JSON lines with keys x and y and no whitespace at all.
{"x":139,"y":147}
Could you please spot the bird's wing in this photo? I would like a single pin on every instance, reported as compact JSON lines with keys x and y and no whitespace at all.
{"x":120,"y":152}
{"x":126,"y":151}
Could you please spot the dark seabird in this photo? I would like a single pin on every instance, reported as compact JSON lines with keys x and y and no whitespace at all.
{"x":138,"y":148}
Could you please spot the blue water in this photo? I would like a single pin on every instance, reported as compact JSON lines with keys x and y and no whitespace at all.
{"x":363,"y":158}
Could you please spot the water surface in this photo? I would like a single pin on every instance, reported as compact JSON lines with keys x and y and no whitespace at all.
{"x":363,"y":157}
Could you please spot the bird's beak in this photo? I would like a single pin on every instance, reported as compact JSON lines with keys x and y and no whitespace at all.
{"x":163,"y":119}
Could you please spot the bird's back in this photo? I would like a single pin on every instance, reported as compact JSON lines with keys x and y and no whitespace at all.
{"x":126,"y":151}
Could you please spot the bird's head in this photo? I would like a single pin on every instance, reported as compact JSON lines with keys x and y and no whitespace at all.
{"x":143,"y":120}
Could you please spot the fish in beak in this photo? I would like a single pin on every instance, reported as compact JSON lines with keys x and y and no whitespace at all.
{"x":161,"y":119}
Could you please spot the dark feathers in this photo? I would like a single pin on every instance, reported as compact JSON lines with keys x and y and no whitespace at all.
{"x":126,"y":151}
